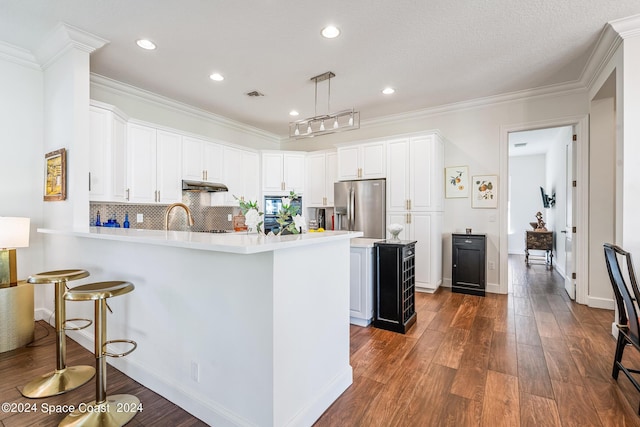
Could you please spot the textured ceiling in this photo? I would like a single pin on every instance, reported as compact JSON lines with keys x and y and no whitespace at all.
{"x":434,"y":52}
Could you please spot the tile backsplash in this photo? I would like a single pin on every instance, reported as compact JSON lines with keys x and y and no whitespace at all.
{"x":205,"y":217}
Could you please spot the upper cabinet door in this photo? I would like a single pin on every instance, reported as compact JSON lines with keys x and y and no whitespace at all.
{"x":282,"y":172}
{"x":373,"y":160}
{"x":192,"y":162}
{"x":426,"y":166}
{"x":272,"y":173}
{"x":348,"y":163}
{"x":232,"y":175}
{"x":363,"y":161}
{"x":212,"y":157}
{"x":168,"y":173}
{"x":316,"y":183}
{"x":398,"y":175}
{"x":201,"y":160}
{"x":107,"y":156}
{"x":141,"y":176}
{"x":251,"y":176}
{"x":331,"y":176}
{"x":293,"y":172}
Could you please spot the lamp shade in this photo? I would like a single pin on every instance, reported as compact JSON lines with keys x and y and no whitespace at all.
{"x":14,"y":232}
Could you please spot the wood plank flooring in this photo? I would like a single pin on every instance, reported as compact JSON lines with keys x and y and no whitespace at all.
{"x":530,"y":358}
{"x":19,"y":366}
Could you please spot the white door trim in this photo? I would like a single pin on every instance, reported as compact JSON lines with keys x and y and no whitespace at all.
{"x":581,"y":124}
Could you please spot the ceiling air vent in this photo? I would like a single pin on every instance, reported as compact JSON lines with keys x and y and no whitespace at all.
{"x":254,"y":93}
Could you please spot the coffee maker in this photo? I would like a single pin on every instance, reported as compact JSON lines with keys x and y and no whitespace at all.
{"x":320,"y":217}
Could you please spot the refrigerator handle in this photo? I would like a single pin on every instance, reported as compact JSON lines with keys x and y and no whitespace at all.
{"x":352,"y":208}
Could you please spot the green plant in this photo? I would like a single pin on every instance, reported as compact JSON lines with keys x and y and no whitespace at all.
{"x":251,"y":212}
{"x":288,"y":218}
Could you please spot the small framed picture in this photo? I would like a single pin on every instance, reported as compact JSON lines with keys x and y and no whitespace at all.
{"x":55,"y":175}
{"x":456,"y":182}
{"x":484,"y":191}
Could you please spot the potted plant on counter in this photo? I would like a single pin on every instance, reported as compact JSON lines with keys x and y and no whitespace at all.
{"x":252,"y":215}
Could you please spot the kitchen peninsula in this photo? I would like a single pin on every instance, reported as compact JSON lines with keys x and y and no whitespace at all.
{"x":238,"y":329}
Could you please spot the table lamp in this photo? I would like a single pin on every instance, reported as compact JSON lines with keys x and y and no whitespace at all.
{"x":14,"y":233}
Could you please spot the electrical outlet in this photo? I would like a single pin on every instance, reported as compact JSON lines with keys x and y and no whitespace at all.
{"x":492,"y":265}
{"x":139,"y":217}
{"x":195,"y":371}
{"x":229,"y":217}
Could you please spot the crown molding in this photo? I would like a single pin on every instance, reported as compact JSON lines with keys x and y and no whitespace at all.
{"x":18,"y":55}
{"x":117,"y":87}
{"x":626,"y":27}
{"x":507,"y":98}
{"x":63,"y":38}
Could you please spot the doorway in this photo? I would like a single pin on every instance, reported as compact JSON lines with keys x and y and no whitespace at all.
{"x":540,"y":193}
{"x":580,"y":205}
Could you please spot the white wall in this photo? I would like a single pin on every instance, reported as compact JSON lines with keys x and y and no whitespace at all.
{"x":22,"y":166}
{"x":527,"y":175}
{"x":602,"y":190}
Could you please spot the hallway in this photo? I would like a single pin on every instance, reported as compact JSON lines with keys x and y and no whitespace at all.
{"x":529,"y":358}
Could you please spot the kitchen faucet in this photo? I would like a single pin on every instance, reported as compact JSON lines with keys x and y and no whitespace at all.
{"x":186,"y":209}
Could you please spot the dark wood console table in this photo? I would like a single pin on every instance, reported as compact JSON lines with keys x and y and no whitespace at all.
{"x":540,"y":241}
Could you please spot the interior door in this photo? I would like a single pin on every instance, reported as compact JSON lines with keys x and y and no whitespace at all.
{"x":569,"y":241}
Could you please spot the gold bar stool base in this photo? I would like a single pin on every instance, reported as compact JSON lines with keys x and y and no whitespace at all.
{"x":64,"y":378}
{"x":116,"y":411}
{"x":58,"y":382}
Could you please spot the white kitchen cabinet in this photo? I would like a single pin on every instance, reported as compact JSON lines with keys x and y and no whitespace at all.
{"x":282,"y":172}
{"x":153,"y":170}
{"x":321,"y":174}
{"x":426,"y":229}
{"x":362,"y":161}
{"x":415,"y":168}
{"x":201,"y":160}
{"x":107,"y":156}
{"x":240,"y":173}
{"x":361,"y":286}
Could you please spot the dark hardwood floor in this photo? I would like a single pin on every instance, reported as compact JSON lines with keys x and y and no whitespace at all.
{"x":19,"y":366}
{"x":530,"y":358}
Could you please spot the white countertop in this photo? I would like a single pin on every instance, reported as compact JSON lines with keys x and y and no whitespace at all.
{"x":239,"y":243}
{"x":362,"y":242}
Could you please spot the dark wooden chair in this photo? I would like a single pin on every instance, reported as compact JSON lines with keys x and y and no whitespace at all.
{"x":627,"y":324}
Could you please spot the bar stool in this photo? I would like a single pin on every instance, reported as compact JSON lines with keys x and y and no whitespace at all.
{"x":64,"y":378}
{"x":119,"y":409}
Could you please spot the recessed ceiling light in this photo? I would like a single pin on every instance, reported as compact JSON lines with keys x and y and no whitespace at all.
{"x":330,"y":32}
{"x":388,"y":90}
{"x":293,"y":113}
{"x":146,"y":44}
{"x":216,"y":77}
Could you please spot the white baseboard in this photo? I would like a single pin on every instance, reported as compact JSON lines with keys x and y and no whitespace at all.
{"x":359,"y":322}
{"x":596,"y":302}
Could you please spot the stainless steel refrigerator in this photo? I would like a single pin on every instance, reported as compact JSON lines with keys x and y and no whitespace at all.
{"x":361,"y":206}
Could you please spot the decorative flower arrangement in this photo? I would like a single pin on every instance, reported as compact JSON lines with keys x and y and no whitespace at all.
{"x":288,"y":218}
{"x":252,"y":214}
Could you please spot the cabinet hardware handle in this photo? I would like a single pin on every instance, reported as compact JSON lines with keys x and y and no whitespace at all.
{"x":158,"y":195}
{"x":409,"y":201}
{"x":127,"y":194}
{"x":89,"y":181}
{"x":206,"y":175}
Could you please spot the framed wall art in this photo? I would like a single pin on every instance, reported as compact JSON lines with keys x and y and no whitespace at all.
{"x":55,"y":175}
{"x":456,"y":182}
{"x":484,"y":191}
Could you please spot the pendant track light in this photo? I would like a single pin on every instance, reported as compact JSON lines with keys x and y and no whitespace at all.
{"x":342,"y":120}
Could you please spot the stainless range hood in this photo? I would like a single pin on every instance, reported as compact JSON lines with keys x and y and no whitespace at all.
{"x":210,"y":187}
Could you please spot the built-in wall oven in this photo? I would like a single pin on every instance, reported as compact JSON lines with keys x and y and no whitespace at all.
{"x":272,"y":205}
